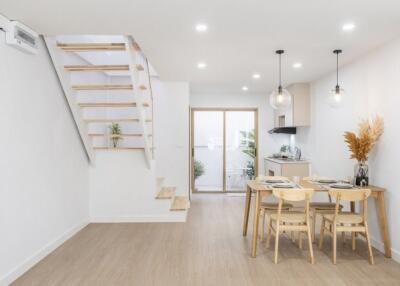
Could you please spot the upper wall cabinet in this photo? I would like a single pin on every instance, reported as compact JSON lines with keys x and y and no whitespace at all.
{"x":299,"y":113}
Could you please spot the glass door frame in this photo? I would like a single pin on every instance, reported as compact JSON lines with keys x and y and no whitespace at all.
{"x":191,"y":156}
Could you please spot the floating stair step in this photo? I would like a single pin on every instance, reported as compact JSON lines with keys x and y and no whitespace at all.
{"x":142,"y":87}
{"x":139,"y":67}
{"x":103,"y":87}
{"x":111,"y":104}
{"x":95,"y":120}
{"x":81,"y":47}
{"x":97,"y":67}
{"x":180,"y":203}
{"x":121,"y":135}
{"x":118,"y":148}
{"x":166,"y":193}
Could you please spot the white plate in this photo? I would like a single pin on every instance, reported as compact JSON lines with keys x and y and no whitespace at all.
{"x":341,"y":186}
{"x":326,"y":181}
{"x":283,"y":185}
{"x":276,"y":181}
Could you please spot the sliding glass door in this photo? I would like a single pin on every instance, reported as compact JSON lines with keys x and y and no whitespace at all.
{"x":208,"y":153}
{"x":224,"y":143}
{"x":240,"y":149}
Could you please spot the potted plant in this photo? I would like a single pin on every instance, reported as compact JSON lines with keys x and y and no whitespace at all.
{"x":115,"y":135}
{"x":198,"y":169}
{"x":360,"y":146}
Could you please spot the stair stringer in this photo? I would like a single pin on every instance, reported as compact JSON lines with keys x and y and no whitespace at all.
{"x":63,"y":76}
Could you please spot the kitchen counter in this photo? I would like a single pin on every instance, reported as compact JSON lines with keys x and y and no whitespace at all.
{"x":286,"y":168}
{"x":283,"y":161}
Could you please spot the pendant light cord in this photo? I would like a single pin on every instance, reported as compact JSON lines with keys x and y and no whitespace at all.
{"x":280,"y":70}
{"x":337,"y":69}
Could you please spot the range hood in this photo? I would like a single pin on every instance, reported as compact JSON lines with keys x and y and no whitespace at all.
{"x":284,"y":130}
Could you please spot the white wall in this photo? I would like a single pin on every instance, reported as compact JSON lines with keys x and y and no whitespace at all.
{"x":123,"y":188}
{"x":372,"y":86}
{"x":171,"y":133}
{"x":44,"y":170}
{"x":267,"y":143}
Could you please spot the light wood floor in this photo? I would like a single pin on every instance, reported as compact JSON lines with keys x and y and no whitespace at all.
{"x":207,"y":250}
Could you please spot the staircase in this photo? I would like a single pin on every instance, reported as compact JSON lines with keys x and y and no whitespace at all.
{"x":107,"y":80}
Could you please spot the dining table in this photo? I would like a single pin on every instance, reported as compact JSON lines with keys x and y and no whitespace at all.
{"x":261,"y":190}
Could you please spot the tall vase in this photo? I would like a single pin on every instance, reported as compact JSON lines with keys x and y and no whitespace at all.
{"x":361,"y":174}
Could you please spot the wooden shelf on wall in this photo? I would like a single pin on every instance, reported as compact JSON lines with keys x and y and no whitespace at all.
{"x":109,"y":104}
{"x":81,"y":47}
{"x":103,"y":87}
{"x":97,"y":67}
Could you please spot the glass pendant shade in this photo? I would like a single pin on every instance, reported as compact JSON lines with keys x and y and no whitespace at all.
{"x":336,"y":97}
{"x":280,"y":99}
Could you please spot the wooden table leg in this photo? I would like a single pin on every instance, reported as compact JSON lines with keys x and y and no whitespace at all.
{"x":246,"y":211}
{"x":381,"y":211}
{"x":255,"y":224}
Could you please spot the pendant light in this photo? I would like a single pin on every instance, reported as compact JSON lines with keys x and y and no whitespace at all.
{"x":336,"y":95}
{"x":280,"y":98}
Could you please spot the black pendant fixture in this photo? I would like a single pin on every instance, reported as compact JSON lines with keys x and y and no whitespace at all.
{"x":336,"y":95}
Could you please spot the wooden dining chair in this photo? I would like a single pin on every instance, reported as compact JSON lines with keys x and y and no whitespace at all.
{"x":268,"y":208}
{"x":347,"y":221}
{"x":319,"y":209}
{"x":297,"y":221}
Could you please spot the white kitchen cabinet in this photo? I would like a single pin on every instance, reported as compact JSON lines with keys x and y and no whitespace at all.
{"x":298,"y":114}
{"x":276,"y":167}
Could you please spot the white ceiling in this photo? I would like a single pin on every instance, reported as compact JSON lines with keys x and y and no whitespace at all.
{"x":241,"y":38}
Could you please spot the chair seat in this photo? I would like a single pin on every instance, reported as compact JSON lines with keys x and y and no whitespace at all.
{"x":274,"y":206}
{"x":350,"y":218}
{"x":324,"y":206}
{"x":291,"y":217}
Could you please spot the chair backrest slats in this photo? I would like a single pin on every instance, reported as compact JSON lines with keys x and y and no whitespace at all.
{"x":293,"y":195}
{"x":350,"y":195}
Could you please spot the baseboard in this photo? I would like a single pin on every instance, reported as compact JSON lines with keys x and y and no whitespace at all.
{"x":176,"y":217}
{"x":39,"y":255}
{"x":379,"y":245}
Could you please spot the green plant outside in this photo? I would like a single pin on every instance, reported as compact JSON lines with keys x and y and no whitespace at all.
{"x":249,"y":143}
{"x":198,"y":169}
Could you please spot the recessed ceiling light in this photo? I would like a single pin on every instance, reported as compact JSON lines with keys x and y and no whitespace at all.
{"x":201,"y":65}
{"x":297,"y":65}
{"x":256,"y":75}
{"x":348,"y":27}
{"x":245,"y":88}
{"x":201,"y":27}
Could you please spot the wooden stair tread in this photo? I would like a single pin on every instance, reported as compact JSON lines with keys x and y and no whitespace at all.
{"x":166,"y":193}
{"x":118,"y":148}
{"x":115,"y":120}
{"x":103,"y":87}
{"x":96,"y":67}
{"x":110,"y":104}
{"x":122,"y":135}
{"x":139,"y":67}
{"x":80,"y":47}
{"x":180,"y":203}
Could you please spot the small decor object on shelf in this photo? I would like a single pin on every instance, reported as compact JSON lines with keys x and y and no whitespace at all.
{"x":360,"y":146}
{"x":115,"y":135}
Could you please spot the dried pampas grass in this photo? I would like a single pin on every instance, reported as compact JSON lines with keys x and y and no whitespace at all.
{"x":368,"y":135}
